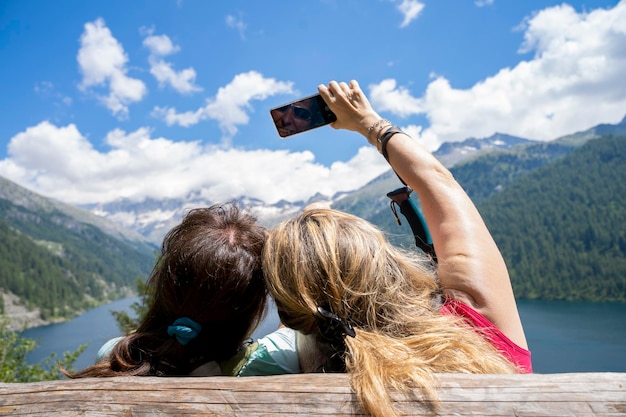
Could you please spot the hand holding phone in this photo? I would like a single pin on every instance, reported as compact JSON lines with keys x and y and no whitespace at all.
{"x":301,"y":115}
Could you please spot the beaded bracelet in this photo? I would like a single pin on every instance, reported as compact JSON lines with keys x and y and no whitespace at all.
{"x":375,"y":125}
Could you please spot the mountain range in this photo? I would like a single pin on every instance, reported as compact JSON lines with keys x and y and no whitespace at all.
{"x":153,"y":218}
{"x":57,"y":259}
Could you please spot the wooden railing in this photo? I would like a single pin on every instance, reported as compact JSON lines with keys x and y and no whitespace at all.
{"x":575,"y":394}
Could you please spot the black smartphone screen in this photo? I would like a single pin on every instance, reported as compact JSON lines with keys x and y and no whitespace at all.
{"x":301,"y":115}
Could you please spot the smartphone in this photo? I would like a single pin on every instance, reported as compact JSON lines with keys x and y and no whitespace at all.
{"x":301,"y":115}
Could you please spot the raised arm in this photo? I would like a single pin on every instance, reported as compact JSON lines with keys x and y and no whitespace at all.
{"x":470,"y":265}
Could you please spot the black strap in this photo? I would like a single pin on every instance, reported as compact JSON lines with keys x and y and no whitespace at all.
{"x":402,"y":198}
{"x":385,"y":138}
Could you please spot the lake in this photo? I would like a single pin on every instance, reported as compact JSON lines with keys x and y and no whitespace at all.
{"x":563,"y":336}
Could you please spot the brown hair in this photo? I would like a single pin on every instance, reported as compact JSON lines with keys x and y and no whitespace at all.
{"x":209,"y":271}
{"x":392,"y":298}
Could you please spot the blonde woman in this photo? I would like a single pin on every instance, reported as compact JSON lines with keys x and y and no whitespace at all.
{"x":389,"y":318}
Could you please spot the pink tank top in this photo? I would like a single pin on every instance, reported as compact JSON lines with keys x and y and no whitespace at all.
{"x":519,"y":356}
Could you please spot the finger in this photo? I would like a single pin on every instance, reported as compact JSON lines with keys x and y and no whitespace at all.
{"x":324,"y":92}
{"x":345,"y":88}
{"x":333,"y":87}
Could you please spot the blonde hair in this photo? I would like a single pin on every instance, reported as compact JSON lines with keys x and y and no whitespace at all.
{"x":392,"y":299}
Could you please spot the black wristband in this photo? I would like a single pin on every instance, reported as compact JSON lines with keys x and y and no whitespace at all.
{"x":385,"y":138}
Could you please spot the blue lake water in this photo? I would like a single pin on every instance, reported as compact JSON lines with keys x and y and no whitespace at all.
{"x":563,"y":336}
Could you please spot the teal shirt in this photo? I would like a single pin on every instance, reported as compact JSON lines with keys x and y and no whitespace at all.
{"x":107,"y":348}
{"x":275,"y":355}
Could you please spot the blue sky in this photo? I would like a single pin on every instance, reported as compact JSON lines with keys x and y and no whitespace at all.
{"x":103,"y":100}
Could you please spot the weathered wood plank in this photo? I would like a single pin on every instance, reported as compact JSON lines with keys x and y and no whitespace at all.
{"x":580,"y":394}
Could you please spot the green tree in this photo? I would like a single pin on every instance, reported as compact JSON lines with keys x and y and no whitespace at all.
{"x":125,"y":322}
{"x":13,"y":365}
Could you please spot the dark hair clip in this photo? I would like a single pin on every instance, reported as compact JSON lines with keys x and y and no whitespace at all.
{"x":332,"y":327}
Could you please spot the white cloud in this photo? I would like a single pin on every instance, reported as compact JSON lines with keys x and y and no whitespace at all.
{"x":230,"y":105}
{"x":483,"y":3}
{"x":102,"y":61}
{"x":386,"y":96}
{"x":237,"y":24}
{"x":48,"y":90}
{"x":182,"y":81}
{"x":410,"y":9}
{"x":160,"y":45}
{"x":60,"y":162}
{"x":574,"y":80}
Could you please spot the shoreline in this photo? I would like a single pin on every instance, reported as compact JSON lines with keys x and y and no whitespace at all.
{"x":21,"y":318}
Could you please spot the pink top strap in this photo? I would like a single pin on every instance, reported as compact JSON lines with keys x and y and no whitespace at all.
{"x":516,"y":354}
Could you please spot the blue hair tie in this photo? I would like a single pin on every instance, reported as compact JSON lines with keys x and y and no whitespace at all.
{"x":184,"y":329}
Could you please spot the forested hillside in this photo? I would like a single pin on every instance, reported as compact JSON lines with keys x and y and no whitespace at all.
{"x":487,"y":173}
{"x":561,"y":227}
{"x":556,"y":209}
{"x":493,"y":172}
{"x":60,"y":264}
